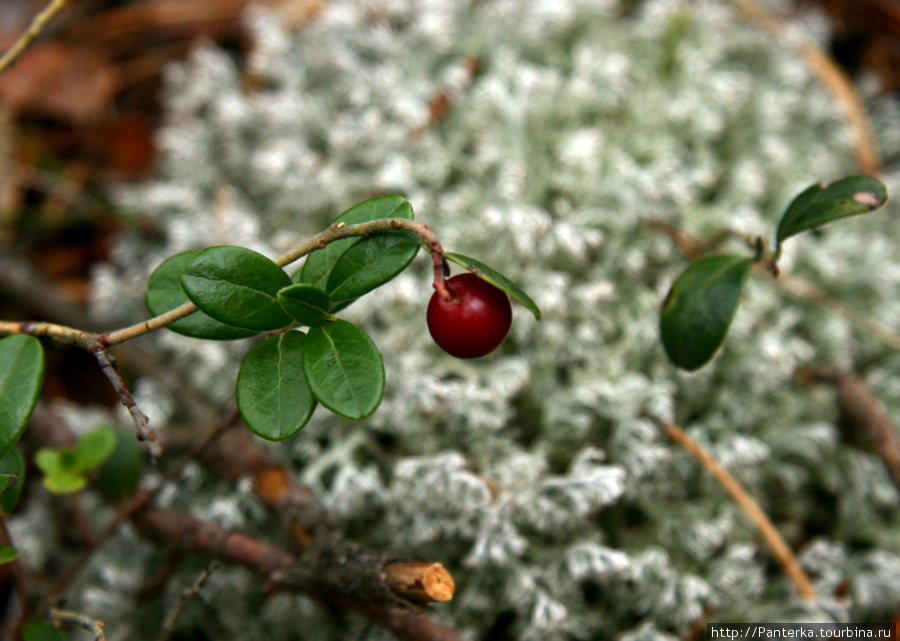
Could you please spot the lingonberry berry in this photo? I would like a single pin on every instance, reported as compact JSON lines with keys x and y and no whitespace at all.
{"x":475,"y":322}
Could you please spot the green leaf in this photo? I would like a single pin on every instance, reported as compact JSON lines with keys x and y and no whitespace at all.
{"x":94,"y":448}
{"x":699,"y":308}
{"x":7,"y":554}
{"x":164,"y":293}
{"x":42,"y":631}
{"x":370,"y":263}
{"x":344,"y":369}
{"x":271,"y":389}
{"x":496,"y":279}
{"x":21,"y":376}
{"x":308,"y":304}
{"x":12,"y":466}
{"x":319,"y":264}
{"x":825,"y":202}
{"x":237,"y":286}
{"x":48,"y":460}
{"x":120,"y":474}
{"x":64,"y":482}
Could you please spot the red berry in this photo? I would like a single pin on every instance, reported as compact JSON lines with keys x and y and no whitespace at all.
{"x":475,"y":324}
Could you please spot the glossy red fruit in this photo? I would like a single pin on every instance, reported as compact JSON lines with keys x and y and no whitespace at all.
{"x":476,"y":324}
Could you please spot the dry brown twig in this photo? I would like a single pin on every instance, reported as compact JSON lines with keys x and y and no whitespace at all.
{"x":751,"y":508}
{"x":37,"y":25}
{"x":94,"y":626}
{"x":864,"y":420}
{"x":836,"y":82}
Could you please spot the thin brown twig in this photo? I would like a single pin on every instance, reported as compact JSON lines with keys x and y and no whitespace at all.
{"x":829,"y":74}
{"x":94,"y":626}
{"x":864,"y":420}
{"x":37,"y":25}
{"x":335,"y":232}
{"x":140,"y":419}
{"x":751,"y":508}
{"x":807,"y":291}
{"x":187,"y":595}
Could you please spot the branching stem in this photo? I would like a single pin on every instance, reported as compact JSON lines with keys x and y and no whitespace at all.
{"x":97,"y":343}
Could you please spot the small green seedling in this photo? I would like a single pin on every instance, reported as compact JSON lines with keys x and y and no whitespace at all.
{"x":701,"y":304}
{"x":65,"y":469}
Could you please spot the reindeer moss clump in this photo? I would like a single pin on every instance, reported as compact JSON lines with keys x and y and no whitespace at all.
{"x":534,"y":475}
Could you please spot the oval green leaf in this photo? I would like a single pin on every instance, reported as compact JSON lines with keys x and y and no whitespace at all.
{"x":344,"y":369}
{"x":237,"y":286}
{"x":120,"y":474}
{"x":308,"y":304}
{"x":164,"y":293}
{"x":699,"y":308}
{"x":370,"y":263}
{"x":496,"y":279}
{"x":94,"y":448}
{"x":64,"y":482}
{"x":319,"y":264}
{"x":271,"y":389}
{"x":21,"y":376}
{"x":7,"y":554}
{"x":825,"y":202}
{"x":12,"y":480}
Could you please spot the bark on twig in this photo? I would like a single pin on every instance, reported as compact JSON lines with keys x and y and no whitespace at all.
{"x":94,"y":626}
{"x":420,"y":581}
{"x":330,"y":568}
{"x":334,"y":569}
{"x":864,"y":421}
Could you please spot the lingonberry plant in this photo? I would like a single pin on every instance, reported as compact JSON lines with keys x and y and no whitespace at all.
{"x":310,"y":356}
{"x":703,"y":300}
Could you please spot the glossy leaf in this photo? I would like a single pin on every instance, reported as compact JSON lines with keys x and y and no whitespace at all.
{"x":496,"y":279}
{"x":120,"y":474}
{"x":319,"y":264}
{"x":825,"y":202}
{"x":272,"y":392}
{"x":308,"y":304}
{"x":699,"y":308}
{"x":42,"y":631}
{"x":21,"y":376}
{"x":94,"y":448}
{"x":7,"y":554}
{"x":344,"y":369}
{"x":164,"y":293}
{"x":12,"y":466}
{"x":370,"y":263}
{"x":237,"y":286}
